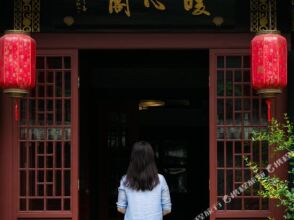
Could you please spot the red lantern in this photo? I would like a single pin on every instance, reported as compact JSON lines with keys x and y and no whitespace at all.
{"x":17,"y":63}
{"x":269,"y":64}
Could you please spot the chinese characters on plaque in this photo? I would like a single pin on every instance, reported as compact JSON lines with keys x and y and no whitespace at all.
{"x":196,"y":7}
{"x":119,"y":5}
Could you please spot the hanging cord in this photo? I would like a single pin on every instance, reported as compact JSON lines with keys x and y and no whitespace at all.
{"x":270,"y":14}
{"x":268,"y":103}
{"x":16,"y":110}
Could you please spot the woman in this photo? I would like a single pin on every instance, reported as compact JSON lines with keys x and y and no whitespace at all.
{"x":143,"y":194}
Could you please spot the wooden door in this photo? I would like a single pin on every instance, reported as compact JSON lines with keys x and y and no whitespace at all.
{"x":117,"y":131}
{"x":235,"y":110}
{"x":48,"y":140}
{"x":108,"y":134}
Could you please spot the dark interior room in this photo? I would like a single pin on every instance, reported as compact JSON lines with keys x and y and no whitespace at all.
{"x":160,"y":96}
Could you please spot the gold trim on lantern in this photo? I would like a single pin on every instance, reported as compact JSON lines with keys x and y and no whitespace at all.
{"x":17,"y":32}
{"x":269,"y":93}
{"x":268,"y":32}
{"x":16,"y":93}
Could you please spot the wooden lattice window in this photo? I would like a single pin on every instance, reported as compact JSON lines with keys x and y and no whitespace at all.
{"x":45,"y":139}
{"x":239,"y":111}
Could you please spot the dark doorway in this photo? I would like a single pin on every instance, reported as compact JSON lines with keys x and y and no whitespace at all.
{"x":114,"y":88}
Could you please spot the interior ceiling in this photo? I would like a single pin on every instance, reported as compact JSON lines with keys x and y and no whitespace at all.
{"x":178,"y":77}
{"x":176,"y":69}
{"x":150,"y":78}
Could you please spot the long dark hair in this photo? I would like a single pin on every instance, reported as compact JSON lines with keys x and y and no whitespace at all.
{"x":142,"y":172}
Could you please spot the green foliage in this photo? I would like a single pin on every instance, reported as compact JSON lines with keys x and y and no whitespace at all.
{"x":280,"y":137}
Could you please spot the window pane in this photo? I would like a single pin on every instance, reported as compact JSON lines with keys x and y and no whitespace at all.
{"x":234,"y":61}
{"x":229,"y":83}
{"x":40,"y":63}
{"x":220,"y":183}
{"x":239,"y":111}
{"x":67,"y":81}
{"x":54,"y":63}
{"x":67,"y":62}
{"x":36,"y":204}
{"x":53,"y":204}
{"x":220,"y":61}
{"x":220,"y":111}
{"x":220,"y":83}
{"x":45,"y":138}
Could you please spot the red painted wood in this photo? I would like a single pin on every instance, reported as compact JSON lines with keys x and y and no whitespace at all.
{"x":75,"y":135}
{"x":7,"y":159}
{"x":242,"y":214}
{"x":143,"y":40}
{"x":212,"y":132}
{"x":280,"y":107}
{"x":8,"y":199}
{"x":41,"y":214}
{"x":44,"y":211}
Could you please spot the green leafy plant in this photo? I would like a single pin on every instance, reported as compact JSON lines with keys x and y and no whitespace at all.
{"x":279,"y":136}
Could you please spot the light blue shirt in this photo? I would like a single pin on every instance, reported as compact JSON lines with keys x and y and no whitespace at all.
{"x":144,"y":205}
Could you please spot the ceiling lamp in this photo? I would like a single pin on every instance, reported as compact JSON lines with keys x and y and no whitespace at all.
{"x":145,"y":104}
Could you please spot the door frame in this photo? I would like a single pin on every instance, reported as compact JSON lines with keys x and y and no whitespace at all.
{"x":75,"y":41}
{"x":278,"y":110}
{"x":73,"y":213}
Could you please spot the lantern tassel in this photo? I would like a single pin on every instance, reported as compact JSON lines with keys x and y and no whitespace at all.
{"x":16,"y":110}
{"x":268,"y":103}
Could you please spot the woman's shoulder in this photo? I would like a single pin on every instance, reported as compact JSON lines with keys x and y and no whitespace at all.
{"x":161,"y":177}
{"x":162,"y":181}
{"x":123,"y":178}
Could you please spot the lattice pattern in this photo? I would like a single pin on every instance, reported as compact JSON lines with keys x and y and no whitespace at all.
{"x":36,"y":13}
{"x":239,"y":111}
{"x":45,"y":139}
{"x":17,"y":14}
{"x":261,"y":16}
{"x":27,"y":15}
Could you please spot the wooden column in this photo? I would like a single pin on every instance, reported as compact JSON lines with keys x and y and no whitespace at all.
{"x":290,"y":86}
{"x":290,"y":101}
{"x":8,"y":178}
